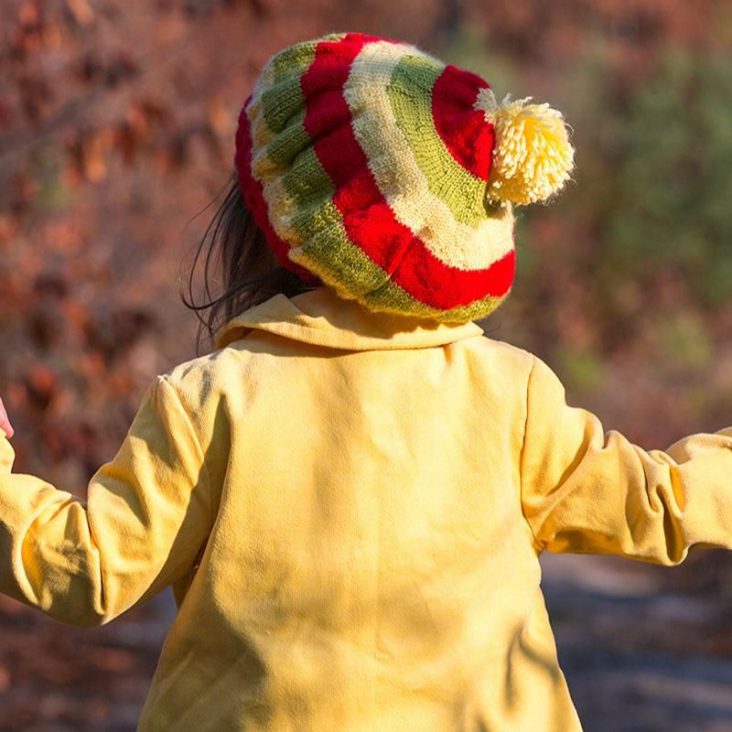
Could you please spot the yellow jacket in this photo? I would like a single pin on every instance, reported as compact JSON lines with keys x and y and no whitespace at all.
{"x":350,"y":509}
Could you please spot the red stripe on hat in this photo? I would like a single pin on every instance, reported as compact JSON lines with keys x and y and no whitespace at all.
{"x":464,"y":130}
{"x":368,"y":220}
{"x":251,"y":190}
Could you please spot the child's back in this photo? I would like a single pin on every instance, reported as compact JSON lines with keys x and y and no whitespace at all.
{"x":369,"y":565}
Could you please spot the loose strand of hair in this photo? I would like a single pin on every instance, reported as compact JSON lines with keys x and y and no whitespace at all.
{"x":235,"y":246}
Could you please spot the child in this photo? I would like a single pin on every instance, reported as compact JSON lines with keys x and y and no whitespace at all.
{"x":350,"y":494}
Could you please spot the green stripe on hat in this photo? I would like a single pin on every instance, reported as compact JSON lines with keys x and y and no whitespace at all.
{"x":283,"y":98}
{"x":290,"y":142}
{"x":461,"y":191}
{"x":295,"y":58}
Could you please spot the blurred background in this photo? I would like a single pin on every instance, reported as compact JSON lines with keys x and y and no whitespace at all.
{"x":116,"y":132}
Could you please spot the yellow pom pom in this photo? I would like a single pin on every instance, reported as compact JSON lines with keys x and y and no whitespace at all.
{"x":533,"y":157}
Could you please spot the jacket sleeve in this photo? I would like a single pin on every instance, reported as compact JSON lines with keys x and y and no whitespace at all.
{"x":587,"y":491}
{"x":146,"y":515}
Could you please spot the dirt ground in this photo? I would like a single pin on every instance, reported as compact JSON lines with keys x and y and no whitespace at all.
{"x":637,"y":657}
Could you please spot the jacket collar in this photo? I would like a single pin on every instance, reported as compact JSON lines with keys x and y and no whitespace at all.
{"x":322,"y":318}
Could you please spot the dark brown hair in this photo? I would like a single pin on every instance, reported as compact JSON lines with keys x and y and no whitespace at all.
{"x":250,"y":273}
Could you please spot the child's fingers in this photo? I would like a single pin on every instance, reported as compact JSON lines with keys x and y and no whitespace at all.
{"x":5,"y":425}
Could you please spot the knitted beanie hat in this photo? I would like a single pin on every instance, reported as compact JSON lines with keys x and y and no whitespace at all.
{"x":378,"y":170}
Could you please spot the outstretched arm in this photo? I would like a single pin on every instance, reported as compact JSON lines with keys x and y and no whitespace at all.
{"x":587,"y":491}
{"x":5,"y":425}
{"x":146,"y":516}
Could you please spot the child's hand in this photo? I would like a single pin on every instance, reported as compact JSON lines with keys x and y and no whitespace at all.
{"x":5,"y":425}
